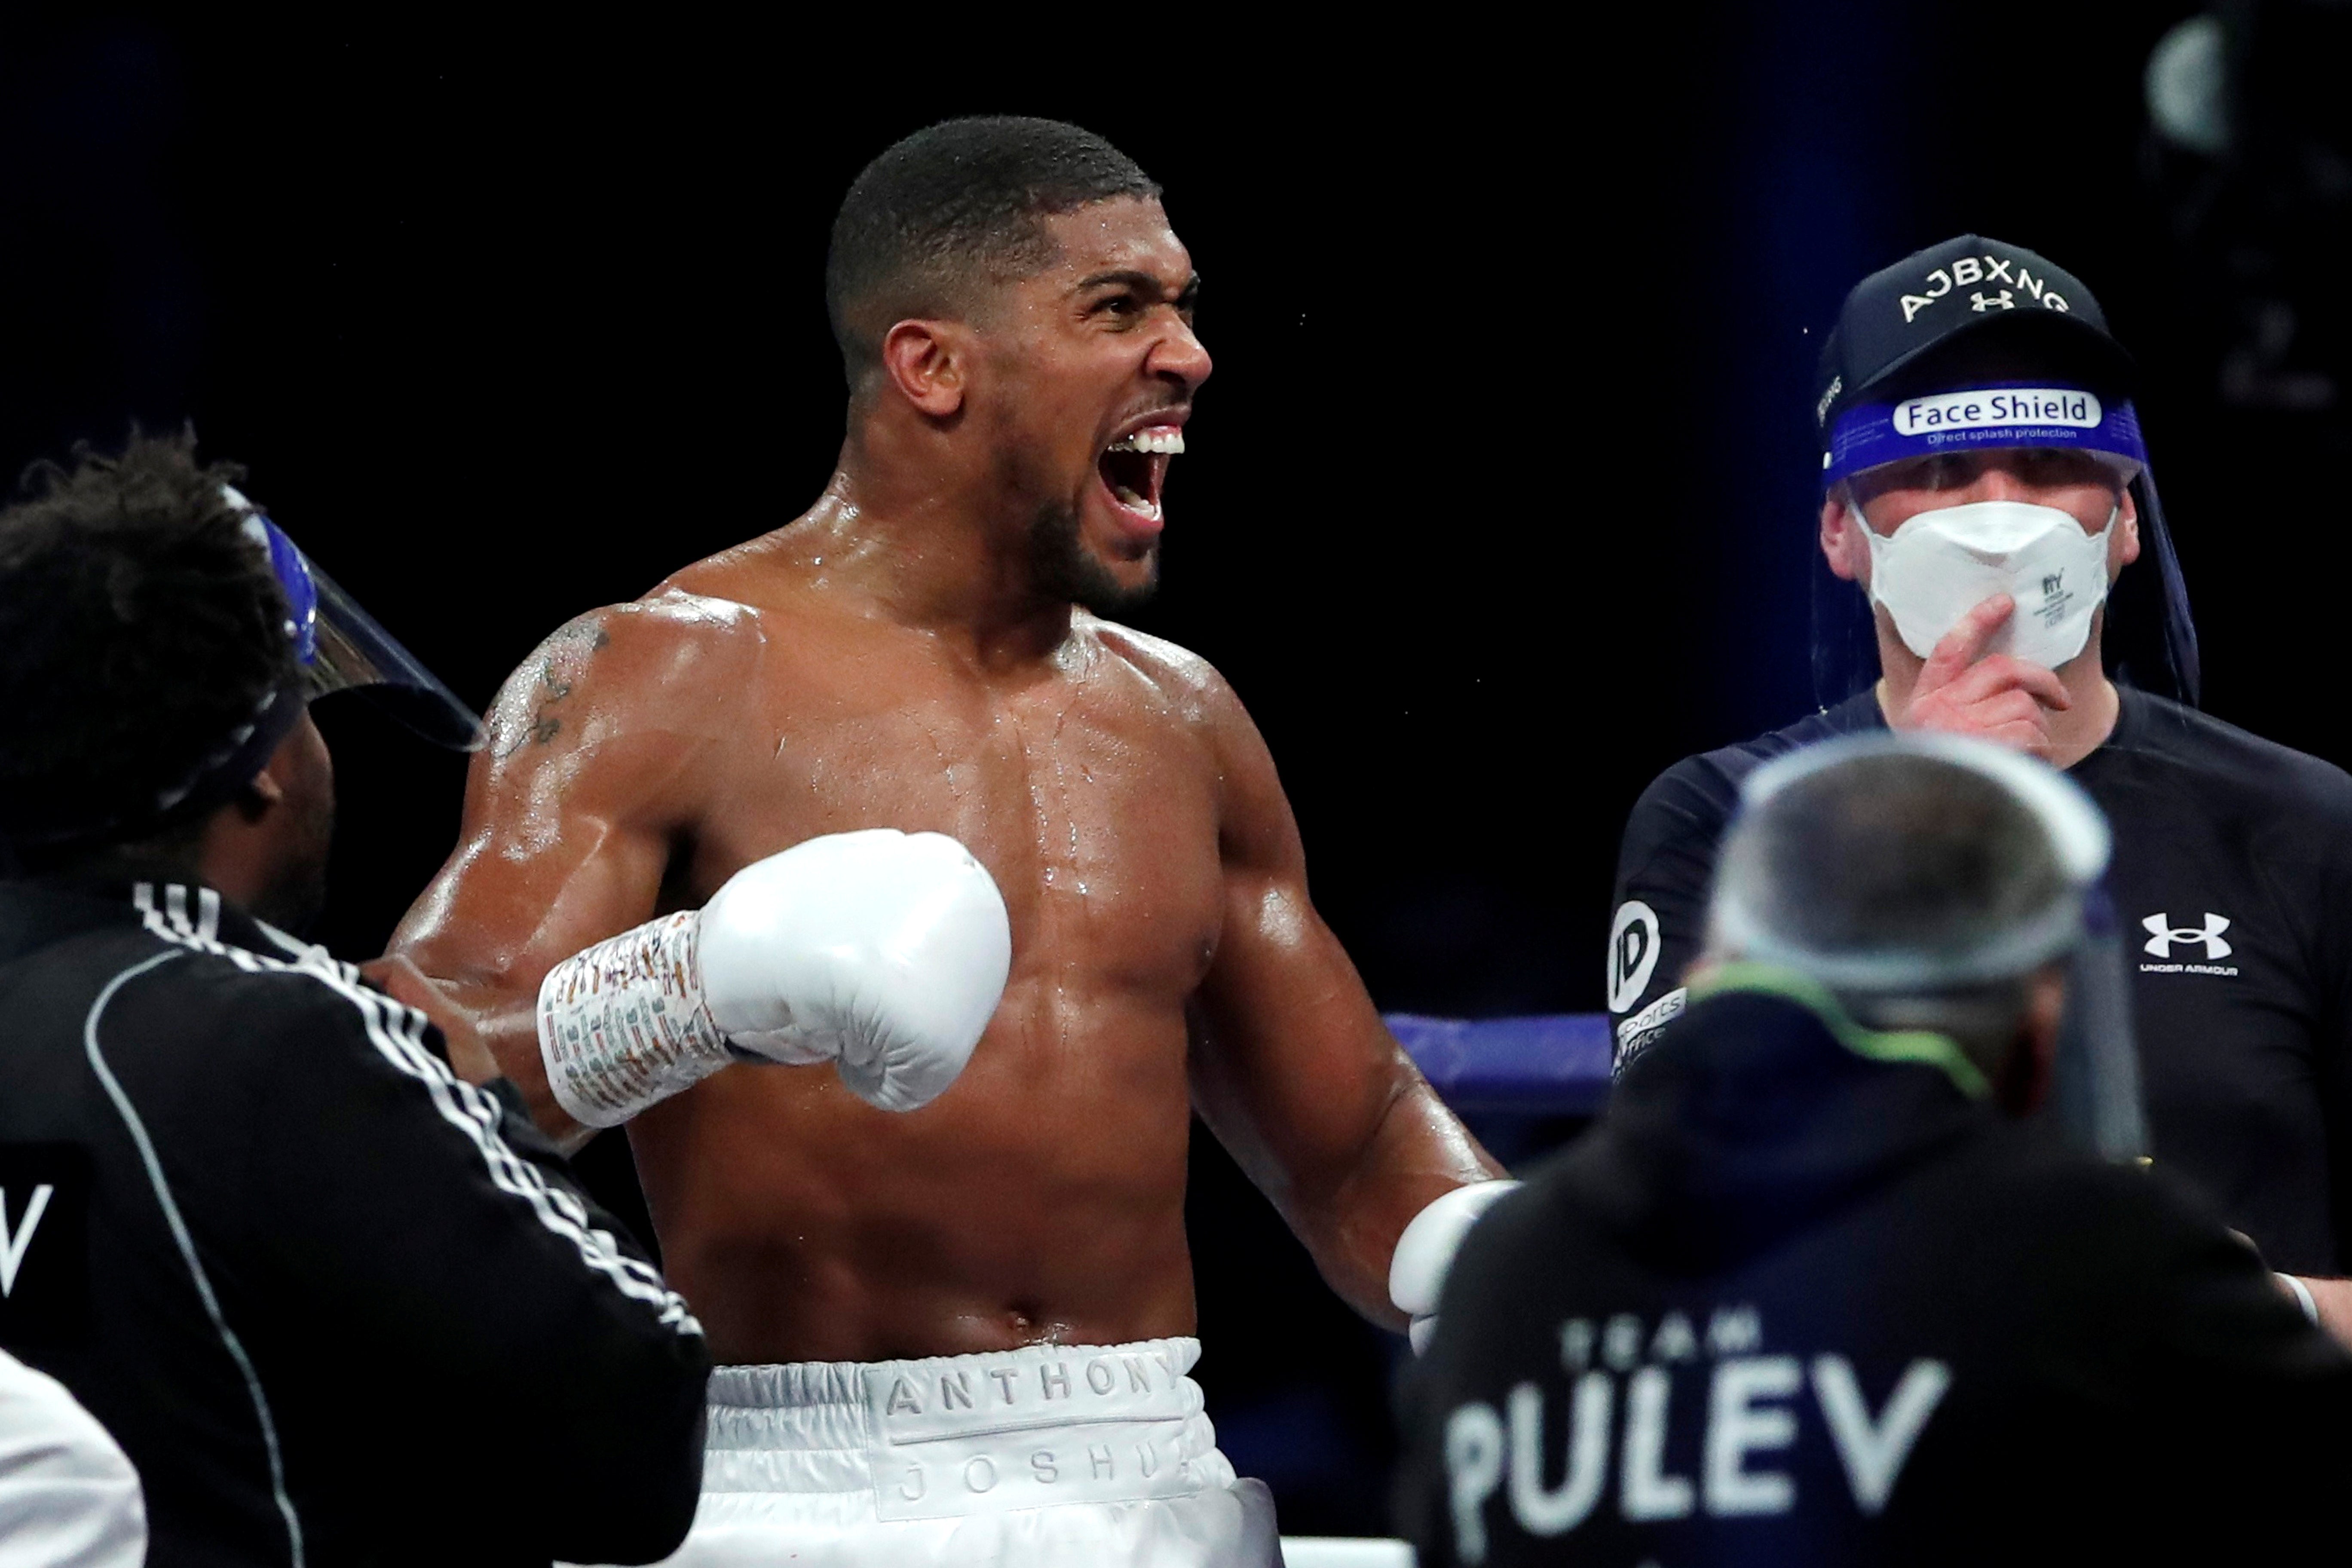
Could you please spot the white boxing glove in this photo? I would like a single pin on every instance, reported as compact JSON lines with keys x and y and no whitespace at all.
{"x":881,"y":952}
{"x":1425,"y":1253}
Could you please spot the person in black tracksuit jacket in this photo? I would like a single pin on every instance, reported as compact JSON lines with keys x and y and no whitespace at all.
{"x":319,"y":1288}
{"x":1813,"y":1292}
{"x":337,"y":1304}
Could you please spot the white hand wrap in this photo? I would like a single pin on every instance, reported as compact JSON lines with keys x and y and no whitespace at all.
{"x":623,"y":1023}
{"x":1424,"y":1252}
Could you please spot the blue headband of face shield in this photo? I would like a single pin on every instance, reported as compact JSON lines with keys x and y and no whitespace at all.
{"x":1980,"y":418}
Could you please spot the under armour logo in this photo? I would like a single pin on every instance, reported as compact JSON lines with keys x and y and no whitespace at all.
{"x":1966,"y":271}
{"x":2163,"y":934}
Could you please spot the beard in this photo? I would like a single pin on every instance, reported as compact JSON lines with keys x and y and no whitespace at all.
{"x":1062,"y":569}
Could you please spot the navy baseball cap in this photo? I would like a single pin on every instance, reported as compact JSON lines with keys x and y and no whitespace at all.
{"x":1899,"y":378}
{"x":1962,"y":288}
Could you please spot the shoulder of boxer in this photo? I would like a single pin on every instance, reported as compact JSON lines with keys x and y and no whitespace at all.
{"x":1183,"y":678}
{"x":679,"y":660}
{"x":1258,"y":826}
{"x":1198,"y":695}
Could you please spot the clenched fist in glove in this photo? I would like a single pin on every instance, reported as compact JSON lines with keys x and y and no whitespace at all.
{"x":883,"y":952}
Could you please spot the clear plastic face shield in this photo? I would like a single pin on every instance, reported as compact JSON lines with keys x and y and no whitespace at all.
{"x":340,"y":648}
{"x":2003,"y":488}
{"x":2094,"y":1096}
{"x":2090,"y":487}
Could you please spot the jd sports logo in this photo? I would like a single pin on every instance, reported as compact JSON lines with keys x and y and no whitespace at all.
{"x":2163,"y":936}
{"x":1633,"y":953}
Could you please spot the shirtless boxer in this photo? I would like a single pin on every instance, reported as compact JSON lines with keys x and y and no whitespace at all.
{"x":924,"y":650}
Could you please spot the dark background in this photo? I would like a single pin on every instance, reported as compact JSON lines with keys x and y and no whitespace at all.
{"x":1500,"y":500}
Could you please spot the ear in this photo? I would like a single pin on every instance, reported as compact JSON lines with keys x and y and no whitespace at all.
{"x":263,"y":791}
{"x":1838,"y":540}
{"x":926,"y":362}
{"x":2124,"y":549}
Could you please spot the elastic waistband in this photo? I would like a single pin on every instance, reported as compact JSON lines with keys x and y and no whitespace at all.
{"x":943,"y":1396}
{"x":943,"y":1435}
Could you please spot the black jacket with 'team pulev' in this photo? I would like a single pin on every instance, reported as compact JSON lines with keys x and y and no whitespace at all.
{"x":336,"y":1305}
{"x":1804,"y":1295}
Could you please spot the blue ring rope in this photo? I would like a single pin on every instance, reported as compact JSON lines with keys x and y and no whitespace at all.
{"x":1550,"y":1064}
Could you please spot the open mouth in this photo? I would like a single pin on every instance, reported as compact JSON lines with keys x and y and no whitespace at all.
{"x":1134,"y":466}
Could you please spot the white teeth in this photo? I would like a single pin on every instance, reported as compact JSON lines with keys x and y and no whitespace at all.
{"x":1162,"y":439}
{"x":1137,"y":504}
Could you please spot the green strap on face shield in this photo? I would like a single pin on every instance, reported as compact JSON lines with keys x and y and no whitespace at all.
{"x":1924,"y":1047}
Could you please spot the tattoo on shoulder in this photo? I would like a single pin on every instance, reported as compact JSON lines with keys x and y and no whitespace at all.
{"x":555,"y":683}
{"x":588,"y":634}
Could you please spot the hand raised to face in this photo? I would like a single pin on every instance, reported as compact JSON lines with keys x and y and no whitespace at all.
{"x":1962,"y":691}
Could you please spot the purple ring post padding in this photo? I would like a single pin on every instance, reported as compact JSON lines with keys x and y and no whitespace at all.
{"x":2046,"y":415}
{"x":1554,"y":1064}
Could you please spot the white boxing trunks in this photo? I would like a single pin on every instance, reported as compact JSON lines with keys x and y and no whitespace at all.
{"x":1049,"y":1457}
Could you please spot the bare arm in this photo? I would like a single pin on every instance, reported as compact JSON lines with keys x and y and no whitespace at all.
{"x":1291,"y":1065}
{"x":572,"y":813}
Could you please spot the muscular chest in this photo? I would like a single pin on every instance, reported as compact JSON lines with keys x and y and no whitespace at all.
{"x":1084,"y":792}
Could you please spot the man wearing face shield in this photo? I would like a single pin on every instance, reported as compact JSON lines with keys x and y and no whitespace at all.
{"x":1815,"y":1288}
{"x":335,"y":1301}
{"x":1994,"y":563}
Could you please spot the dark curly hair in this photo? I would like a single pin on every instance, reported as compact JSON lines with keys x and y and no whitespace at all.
{"x":950,"y":209}
{"x":140,"y":628}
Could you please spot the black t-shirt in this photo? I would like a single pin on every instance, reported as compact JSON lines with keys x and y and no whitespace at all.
{"x":2233,"y":880}
{"x":1787,"y":1303}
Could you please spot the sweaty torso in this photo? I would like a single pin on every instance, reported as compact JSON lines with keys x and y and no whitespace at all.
{"x":1042,"y":1196}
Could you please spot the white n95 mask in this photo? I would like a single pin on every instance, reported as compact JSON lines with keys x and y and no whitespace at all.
{"x":1941,"y":565}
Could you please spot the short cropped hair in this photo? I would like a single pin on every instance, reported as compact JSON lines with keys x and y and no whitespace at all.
{"x":1901,"y":856}
{"x":140,"y":625}
{"x":948,"y":211}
